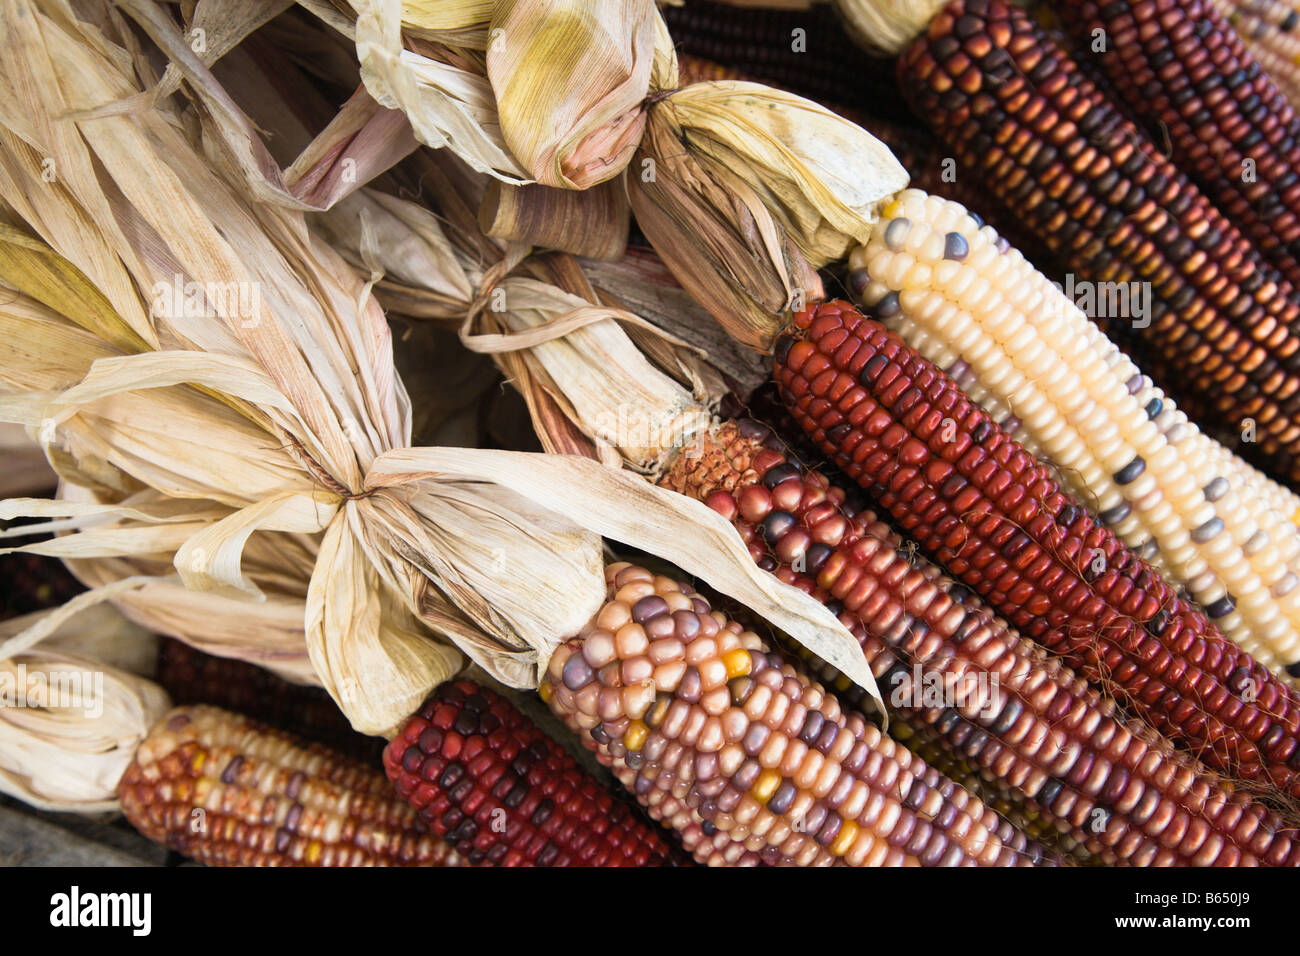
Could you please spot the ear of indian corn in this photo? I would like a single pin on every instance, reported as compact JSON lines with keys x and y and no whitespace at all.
{"x":192,"y":677}
{"x":1019,"y":115}
{"x":1016,"y":812}
{"x":1271,"y":31}
{"x":691,"y":711}
{"x":227,"y":791}
{"x":502,"y":793}
{"x":1184,"y":70}
{"x":984,"y":508}
{"x":1018,"y":346}
{"x":945,"y":661}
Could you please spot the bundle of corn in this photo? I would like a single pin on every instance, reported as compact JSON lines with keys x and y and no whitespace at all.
{"x":1269,"y":30}
{"x":1110,"y":206}
{"x":210,"y":426}
{"x":905,"y":618}
{"x":1023,"y":351}
{"x":1186,"y":72}
{"x":988,"y":511}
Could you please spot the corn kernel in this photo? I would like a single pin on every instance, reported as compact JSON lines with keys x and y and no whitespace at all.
{"x":766,"y":785}
{"x":636,"y":734}
{"x":738,"y":663}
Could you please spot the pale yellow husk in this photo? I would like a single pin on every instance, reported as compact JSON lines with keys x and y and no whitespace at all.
{"x":887,"y":26}
{"x":822,"y":176}
{"x":571,"y":78}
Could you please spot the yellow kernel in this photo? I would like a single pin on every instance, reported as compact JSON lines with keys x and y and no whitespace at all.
{"x":314,"y":851}
{"x":765,"y":785}
{"x":738,"y":663}
{"x":892,"y":210}
{"x":636,"y":734}
{"x":848,"y":833}
{"x":199,"y":760}
{"x":545,"y":692}
{"x":842,"y":683}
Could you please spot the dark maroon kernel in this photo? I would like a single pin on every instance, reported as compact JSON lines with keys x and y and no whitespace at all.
{"x":577,"y":673}
{"x":871,"y":371}
{"x":467,"y":721}
{"x":282,"y":840}
{"x":774,"y":527}
{"x":687,"y":624}
{"x":648,"y":608}
{"x":451,"y":775}
{"x":1221,"y":608}
{"x":294,"y":786}
{"x":816,"y":556}
{"x":412,"y":760}
{"x":752,"y":430}
{"x":430,"y":740}
{"x":812,"y":726}
{"x":780,"y":473}
{"x":548,"y":854}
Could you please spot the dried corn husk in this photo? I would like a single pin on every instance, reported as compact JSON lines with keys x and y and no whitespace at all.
{"x":823,"y":177}
{"x":571,"y":78}
{"x":721,"y":243}
{"x":74,"y":711}
{"x":887,"y":26}
{"x":589,"y":222}
{"x":460,"y":23}
{"x":447,"y":105}
{"x":284,"y":416}
{"x":364,"y":140}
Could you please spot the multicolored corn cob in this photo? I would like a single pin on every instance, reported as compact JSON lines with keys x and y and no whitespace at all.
{"x":1002,"y":701}
{"x":192,"y":677}
{"x":1184,"y":70}
{"x":1015,"y":812}
{"x":700,"y":719}
{"x":1271,"y":31}
{"x":1019,"y":347}
{"x":502,"y":793}
{"x":988,"y":511}
{"x":227,"y":791}
{"x":1224,"y":333}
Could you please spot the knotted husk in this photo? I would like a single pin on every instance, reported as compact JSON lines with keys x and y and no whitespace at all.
{"x":571,"y":78}
{"x":281,"y":413}
{"x":85,"y":705}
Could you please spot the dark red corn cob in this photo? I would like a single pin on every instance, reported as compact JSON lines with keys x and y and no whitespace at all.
{"x":502,"y":793}
{"x":743,"y":754}
{"x":820,"y":62}
{"x":1184,"y":70}
{"x":1024,"y":717}
{"x":990,"y":513}
{"x":192,"y":677}
{"x":1017,"y":111}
